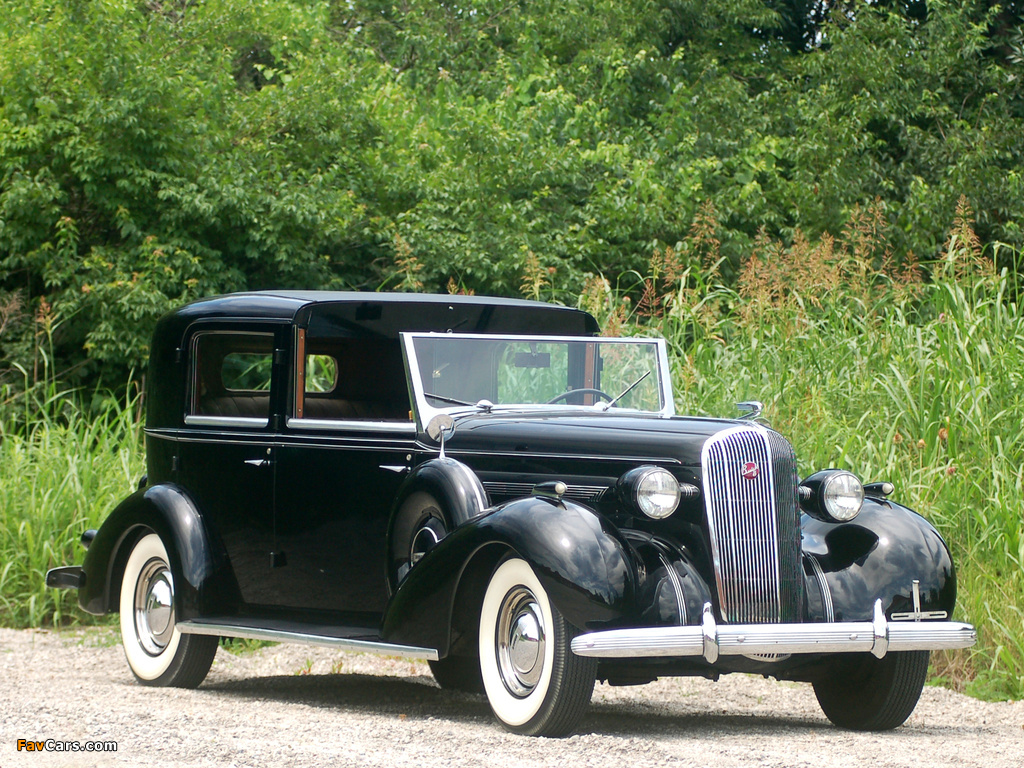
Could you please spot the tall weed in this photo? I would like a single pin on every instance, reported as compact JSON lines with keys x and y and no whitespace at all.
{"x":62,"y":469}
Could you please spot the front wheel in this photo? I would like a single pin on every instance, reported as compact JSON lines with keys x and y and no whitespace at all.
{"x":534,"y":682}
{"x":418,"y":527}
{"x":157,"y":653}
{"x":869,"y":694}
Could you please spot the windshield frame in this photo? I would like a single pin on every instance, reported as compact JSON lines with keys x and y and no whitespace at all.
{"x":424,"y":411}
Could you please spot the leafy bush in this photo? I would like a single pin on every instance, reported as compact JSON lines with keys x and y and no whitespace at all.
{"x":152,"y":153}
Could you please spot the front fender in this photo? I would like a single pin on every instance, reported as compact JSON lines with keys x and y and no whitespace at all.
{"x":452,"y":483}
{"x":584,"y":565}
{"x":201,"y":574}
{"x":878,"y":556}
{"x":456,"y":489}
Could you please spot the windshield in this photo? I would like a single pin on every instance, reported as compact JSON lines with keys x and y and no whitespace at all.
{"x":452,"y":372}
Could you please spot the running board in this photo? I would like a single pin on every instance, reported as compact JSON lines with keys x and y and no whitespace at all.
{"x":306,"y":638}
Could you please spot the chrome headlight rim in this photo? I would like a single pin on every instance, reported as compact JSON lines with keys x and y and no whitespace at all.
{"x":651,"y":491}
{"x":832,"y":495}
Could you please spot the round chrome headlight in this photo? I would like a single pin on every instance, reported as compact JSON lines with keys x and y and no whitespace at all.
{"x":833,"y":495}
{"x":843,"y":496}
{"x":657,"y":493}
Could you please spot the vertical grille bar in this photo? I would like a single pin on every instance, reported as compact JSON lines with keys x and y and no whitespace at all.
{"x":788,"y":514}
{"x":753,"y":523}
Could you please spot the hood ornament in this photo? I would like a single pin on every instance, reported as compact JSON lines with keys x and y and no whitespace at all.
{"x":751,"y":410}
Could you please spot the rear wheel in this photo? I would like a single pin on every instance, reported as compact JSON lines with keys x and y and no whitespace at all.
{"x":157,"y":653}
{"x":534,"y":682}
{"x":869,"y":694}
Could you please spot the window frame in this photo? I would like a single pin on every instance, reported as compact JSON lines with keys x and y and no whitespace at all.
{"x":192,"y":418}
{"x":296,"y":407}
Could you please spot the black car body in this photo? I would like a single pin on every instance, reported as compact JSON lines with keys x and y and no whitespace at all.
{"x":490,"y":485}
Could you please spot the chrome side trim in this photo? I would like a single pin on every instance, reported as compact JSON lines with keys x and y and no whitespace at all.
{"x":331,"y":425}
{"x":677,"y":584}
{"x":283,"y":636}
{"x":711,"y":640}
{"x":618,"y":459}
{"x":226,"y":421}
{"x":576,"y":492}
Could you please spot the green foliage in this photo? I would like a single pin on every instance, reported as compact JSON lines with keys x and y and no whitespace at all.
{"x":667,"y":160}
{"x":864,"y":364}
{"x":153,"y":153}
{"x":57,"y":479}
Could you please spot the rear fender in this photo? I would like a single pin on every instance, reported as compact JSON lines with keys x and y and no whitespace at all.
{"x":584,"y":565}
{"x":202,"y":577}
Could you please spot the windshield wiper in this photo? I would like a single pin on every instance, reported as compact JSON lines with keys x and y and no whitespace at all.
{"x":483,"y":405}
{"x":451,"y":400}
{"x":626,"y":391}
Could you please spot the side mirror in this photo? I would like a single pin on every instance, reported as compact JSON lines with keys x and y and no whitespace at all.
{"x":439,"y":428}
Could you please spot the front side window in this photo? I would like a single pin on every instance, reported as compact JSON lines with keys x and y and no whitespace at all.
{"x":340,"y":380}
{"x":231,"y":374}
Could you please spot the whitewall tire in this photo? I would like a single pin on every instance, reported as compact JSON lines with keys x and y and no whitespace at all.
{"x":533,"y":681}
{"x":157,"y":653}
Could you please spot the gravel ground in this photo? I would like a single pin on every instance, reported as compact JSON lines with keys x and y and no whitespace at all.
{"x":304,"y":706}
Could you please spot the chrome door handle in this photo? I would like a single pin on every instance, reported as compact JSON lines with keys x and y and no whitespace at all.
{"x":258,"y":462}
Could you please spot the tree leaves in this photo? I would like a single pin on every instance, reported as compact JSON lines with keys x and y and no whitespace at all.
{"x":150,"y":154}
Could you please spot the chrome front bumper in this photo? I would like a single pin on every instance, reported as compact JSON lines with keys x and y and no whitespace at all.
{"x":712,"y":640}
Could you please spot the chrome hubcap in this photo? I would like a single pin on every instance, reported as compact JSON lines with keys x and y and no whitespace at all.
{"x":520,"y":643}
{"x":154,"y":607}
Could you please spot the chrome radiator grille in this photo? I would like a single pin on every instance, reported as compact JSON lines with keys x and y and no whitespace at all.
{"x":750,"y":498}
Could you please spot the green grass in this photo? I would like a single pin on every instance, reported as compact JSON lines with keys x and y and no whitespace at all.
{"x":60,"y":474}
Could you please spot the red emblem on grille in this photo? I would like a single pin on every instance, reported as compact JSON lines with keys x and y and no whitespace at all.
{"x":750,"y":470}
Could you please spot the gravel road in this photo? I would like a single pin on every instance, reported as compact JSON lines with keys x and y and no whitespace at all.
{"x":303,"y":706}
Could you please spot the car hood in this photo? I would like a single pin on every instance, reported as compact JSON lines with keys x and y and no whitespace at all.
{"x":675,"y":440}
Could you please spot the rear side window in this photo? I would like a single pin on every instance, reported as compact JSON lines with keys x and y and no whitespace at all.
{"x":231,"y":374}
{"x":246,"y":371}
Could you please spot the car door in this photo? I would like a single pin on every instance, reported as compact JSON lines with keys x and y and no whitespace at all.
{"x":348,"y":443}
{"x":227,"y":448}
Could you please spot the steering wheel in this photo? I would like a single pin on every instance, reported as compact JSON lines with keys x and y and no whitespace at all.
{"x":580,"y":391}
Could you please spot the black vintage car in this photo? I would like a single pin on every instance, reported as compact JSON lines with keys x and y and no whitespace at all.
{"x":490,"y":485}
